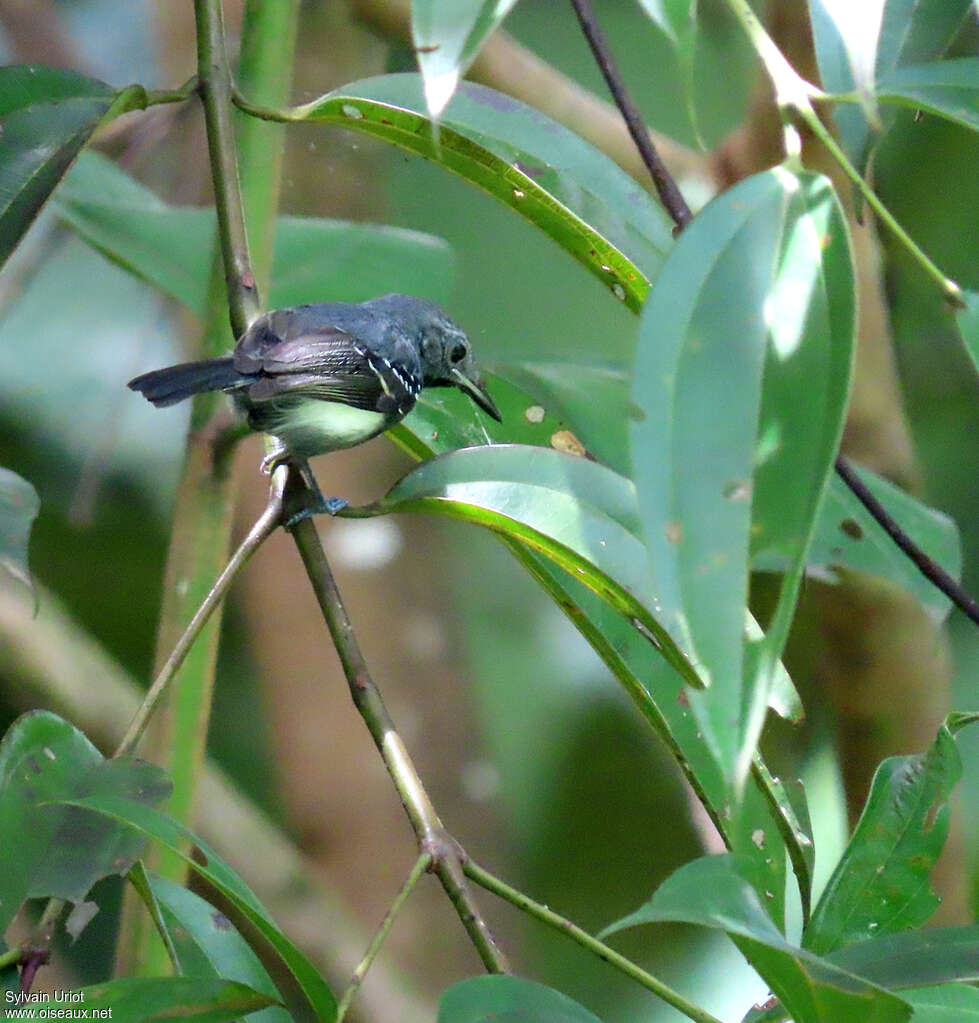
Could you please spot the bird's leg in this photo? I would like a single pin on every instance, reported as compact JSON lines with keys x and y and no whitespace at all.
{"x":320,"y":504}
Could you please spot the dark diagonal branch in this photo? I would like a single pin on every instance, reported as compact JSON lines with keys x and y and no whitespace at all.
{"x":680,"y":212}
{"x":666,"y":187}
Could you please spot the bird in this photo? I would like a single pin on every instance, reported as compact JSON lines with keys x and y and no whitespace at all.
{"x":330,"y":375}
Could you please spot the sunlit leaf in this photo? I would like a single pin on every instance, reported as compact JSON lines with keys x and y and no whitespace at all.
{"x":572,"y":192}
{"x":747,"y":333}
{"x":62,"y":851}
{"x":448,"y":35}
{"x":715,"y":892}
{"x":881,"y":883}
{"x":859,"y":45}
{"x":46,"y":116}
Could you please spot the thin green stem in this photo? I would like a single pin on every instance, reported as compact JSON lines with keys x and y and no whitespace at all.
{"x":156,"y":97}
{"x":216,"y":88}
{"x":12,"y":957}
{"x":279,"y":115}
{"x":560,"y":923}
{"x":270,"y":518}
{"x":793,"y":96}
{"x":422,"y":864}
{"x":433,"y":839}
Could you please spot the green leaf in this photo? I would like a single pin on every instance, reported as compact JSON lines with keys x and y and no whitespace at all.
{"x":952,"y":1003}
{"x":448,"y":34}
{"x":54,"y":850}
{"x":508,"y":1000}
{"x":577,"y":513}
{"x":160,"y":999}
{"x":213,"y":869}
{"x":46,"y":116}
{"x":572,"y":192}
{"x":947,"y":88}
{"x":810,"y":313}
{"x":171,"y":247}
{"x":880,"y":884}
{"x":848,"y":537}
{"x":206,"y":944}
{"x":19,"y":505}
{"x":968,"y":321}
{"x":859,"y":45}
{"x":935,"y":955}
{"x":746,"y":335}
{"x":714,"y":892}
{"x":677,"y":20}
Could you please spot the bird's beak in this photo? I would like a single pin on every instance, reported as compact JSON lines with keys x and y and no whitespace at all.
{"x":476,"y":389}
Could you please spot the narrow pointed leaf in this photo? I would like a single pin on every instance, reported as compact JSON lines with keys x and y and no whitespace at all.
{"x":572,"y":192}
{"x":212,"y":868}
{"x":54,"y":850}
{"x":859,"y":45}
{"x":448,"y":34}
{"x":747,"y":332}
{"x":928,"y":956}
{"x":677,"y":20}
{"x":503,"y":999}
{"x":206,"y":944}
{"x":946,"y":88}
{"x":19,"y":505}
{"x":714,"y":892}
{"x":160,"y":1000}
{"x":46,"y":116}
{"x":881,"y":884}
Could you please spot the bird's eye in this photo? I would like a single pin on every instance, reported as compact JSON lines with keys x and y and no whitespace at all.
{"x":458,"y":353}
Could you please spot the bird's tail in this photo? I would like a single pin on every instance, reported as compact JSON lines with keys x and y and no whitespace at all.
{"x":175,"y":383}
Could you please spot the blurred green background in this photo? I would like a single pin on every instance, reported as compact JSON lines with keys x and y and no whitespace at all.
{"x":537,"y":761}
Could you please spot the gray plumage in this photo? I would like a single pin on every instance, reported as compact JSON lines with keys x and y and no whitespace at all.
{"x":327,"y":376}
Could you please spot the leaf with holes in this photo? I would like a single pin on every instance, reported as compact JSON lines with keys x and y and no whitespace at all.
{"x":51,"y":849}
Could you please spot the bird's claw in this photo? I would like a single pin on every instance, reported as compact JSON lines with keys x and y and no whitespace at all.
{"x":323,"y":506}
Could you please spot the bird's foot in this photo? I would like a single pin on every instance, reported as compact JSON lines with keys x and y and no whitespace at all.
{"x":322,"y":506}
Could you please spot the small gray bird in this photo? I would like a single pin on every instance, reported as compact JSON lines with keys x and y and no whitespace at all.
{"x":329,"y":376}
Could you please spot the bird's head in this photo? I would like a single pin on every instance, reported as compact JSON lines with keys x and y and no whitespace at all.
{"x":445,"y":350}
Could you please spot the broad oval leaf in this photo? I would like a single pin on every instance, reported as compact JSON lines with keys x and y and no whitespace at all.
{"x":549,"y":175}
{"x":46,"y":116}
{"x":171,"y":247}
{"x":950,"y":1003}
{"x":947,"y":88}
{"x":880,"y":885}
{"x":19,"y":505}
{"x":748,"y":328}
{"x":179,"y":840}
{"x":508,"y":999}
{"x":715,"y":892}
{"x":447,"y":35}
{"x":138,"y":999}
{"x":577,"y":513}
{"x":62,"y":851}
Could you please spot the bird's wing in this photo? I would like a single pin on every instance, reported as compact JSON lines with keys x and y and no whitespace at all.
{"x":328,"y":364}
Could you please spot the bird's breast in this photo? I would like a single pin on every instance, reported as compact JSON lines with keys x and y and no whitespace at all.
{"x":309,"y":426}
